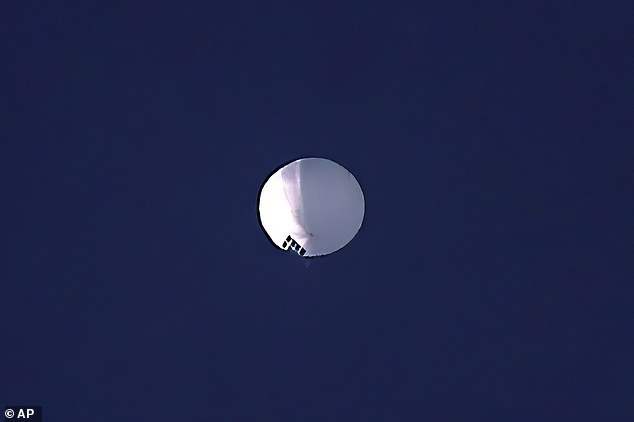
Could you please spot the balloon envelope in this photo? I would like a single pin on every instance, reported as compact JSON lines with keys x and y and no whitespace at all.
{"x":312,"y":205}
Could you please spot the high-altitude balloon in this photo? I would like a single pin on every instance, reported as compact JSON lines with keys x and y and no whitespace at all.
{"x":313,"y":206}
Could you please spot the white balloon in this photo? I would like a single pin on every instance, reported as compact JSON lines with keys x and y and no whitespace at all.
{"x":312,"y":205}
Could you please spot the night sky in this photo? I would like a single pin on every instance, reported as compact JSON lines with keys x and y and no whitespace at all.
{"x":492,"y":279}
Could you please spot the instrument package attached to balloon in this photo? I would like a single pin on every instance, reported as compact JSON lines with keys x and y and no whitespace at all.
{"x":312,"y":206}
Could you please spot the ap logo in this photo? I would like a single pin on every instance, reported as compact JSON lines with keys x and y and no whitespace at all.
{"x":23,"y":413}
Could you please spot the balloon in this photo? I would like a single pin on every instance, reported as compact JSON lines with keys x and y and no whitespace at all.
{"x":313,"y":206}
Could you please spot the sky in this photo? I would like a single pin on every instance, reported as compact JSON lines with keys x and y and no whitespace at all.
{"x":491,"y":279}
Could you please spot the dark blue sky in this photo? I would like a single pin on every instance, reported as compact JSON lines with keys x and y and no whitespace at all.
{"x":491,"y":280}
